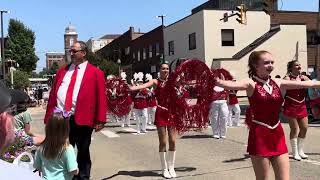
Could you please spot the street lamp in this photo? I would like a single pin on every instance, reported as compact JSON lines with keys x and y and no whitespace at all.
{"x":119,"y":62}
{"x":162,"y":17}
{"x":2,"y":43}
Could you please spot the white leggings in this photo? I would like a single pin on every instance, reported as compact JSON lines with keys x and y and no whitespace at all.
{"x":235,"y":108}
{"x":218,"y":116}
{"x":151,"y":113}
{"x":142,"y":119}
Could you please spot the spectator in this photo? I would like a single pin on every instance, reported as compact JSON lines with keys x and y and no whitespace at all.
{"x":8,"y":170}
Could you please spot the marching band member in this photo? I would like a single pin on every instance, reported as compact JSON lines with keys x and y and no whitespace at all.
{"x":141,"y":106}
{"x":233,"y":105}
{"x":219,"y":113}
{"x":126,"y":118}
{"x":166,"y":131}
{"x":266,"y":142}
{"x":295,"y":110}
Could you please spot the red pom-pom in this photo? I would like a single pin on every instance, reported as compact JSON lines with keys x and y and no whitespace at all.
{"x":221,"y":74}
{"x":118,"y":97}
{"x":189,"y":91}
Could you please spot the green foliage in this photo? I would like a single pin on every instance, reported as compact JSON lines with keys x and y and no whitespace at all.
{"x":20,"y":80}
{"x":21,"y":46}
{"x":54,"y":68}
{"x":108,"y":67}
{"x":43,"y":72}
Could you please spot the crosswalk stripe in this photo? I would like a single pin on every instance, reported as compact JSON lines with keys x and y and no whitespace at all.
{"x":129,"y":130}
{"x":109,"y":134}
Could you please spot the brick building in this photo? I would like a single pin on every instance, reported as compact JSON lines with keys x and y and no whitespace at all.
{"x":146,"y":51}
{"x":136,"y":51}
{"x":52,"y":57}
{"x":310,"y":19}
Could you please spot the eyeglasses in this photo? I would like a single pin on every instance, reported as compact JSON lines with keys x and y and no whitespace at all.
{"x":74,"y":51}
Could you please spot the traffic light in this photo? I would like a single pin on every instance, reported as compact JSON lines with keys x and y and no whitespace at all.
{"x":242,"y":18}
{"x":225,"y":17}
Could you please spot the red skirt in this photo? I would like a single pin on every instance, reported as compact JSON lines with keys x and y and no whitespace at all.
{"x":263,"y":141}
{"x":295,"y":110}
{"x":162,"y":117}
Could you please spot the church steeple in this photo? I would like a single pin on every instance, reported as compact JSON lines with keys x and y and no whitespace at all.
{"x":70,"y":36}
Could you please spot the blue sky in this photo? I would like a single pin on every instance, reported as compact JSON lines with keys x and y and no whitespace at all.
{"x":96,"y":18}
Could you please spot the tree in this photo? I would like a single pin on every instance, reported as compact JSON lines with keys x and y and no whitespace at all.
{"x":20,"y":80}
{"x":43,"y":72}
{"x":108,"y":67}
{"x":21,"y":45}
{"x":54,"y":68}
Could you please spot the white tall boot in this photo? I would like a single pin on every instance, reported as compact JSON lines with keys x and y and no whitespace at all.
{"x":300,"y":148}
{"x":164,"y":167}
{"x":294,"y":146}
{"x":171,"y":159}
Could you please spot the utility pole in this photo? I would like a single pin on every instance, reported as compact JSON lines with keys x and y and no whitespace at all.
{"x":162,"y":17}
{"x":2,"y":44}
{"x":318,"y":40}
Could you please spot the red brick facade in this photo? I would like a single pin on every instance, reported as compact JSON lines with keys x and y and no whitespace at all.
{"x":310,"y":19}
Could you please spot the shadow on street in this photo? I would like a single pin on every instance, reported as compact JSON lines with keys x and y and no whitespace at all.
{"x":245,"y":157}
{"x":149,"y":173}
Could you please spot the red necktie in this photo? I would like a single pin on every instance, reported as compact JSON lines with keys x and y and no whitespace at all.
{"x":68,"y":102}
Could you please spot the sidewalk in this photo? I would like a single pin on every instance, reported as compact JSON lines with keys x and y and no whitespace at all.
{"x":36,"y":110}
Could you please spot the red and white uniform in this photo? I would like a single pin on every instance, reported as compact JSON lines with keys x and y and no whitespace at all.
{"x":233,"y":105}
{"x":152,"y":105}
{"x":140,"y":106}
{"x":219,"y":113}
{"x":266,"y":135}
{"x":162,"y":113}
{"x":294,"y":104}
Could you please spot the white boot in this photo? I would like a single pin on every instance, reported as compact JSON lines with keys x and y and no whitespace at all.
{"x":164,"y":167}
{"x":294,"y":146}
{"x":300,"y":148}
{"x":171,"y":159}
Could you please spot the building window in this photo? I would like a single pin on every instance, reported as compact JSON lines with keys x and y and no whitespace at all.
{"x":150,"y":51}
{"x":227,"y":37}
{"x":71,"y":41}
{"x":134,"y":55}
{"x":127,"y":50}
{"x":157,"y":49}
{"x":171,"y":48}
{"x":311,"y":37}
{"x":192,"y":41}
{"x":144,"y":53}
{"x":139,"y":55}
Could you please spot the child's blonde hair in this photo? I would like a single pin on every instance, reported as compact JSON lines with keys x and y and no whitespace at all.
{"x":57,"y":136}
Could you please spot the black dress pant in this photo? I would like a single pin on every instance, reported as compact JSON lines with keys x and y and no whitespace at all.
{"x":80,"y":137}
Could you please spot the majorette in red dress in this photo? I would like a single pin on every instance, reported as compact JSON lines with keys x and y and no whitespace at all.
{"x":294,"y":104}
{"x":266,"y":135}
{"x":162,"y":113}
{"x":151,"y":100}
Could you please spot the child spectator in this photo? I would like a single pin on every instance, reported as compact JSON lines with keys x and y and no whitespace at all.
{"x":56,"y":158}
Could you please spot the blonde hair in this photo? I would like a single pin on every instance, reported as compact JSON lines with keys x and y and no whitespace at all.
{"x":57,"y":136}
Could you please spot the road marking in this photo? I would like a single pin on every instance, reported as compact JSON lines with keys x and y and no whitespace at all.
{"x":129,"y":129}
{"x":109,"y":134}
{"x":311,"y":161}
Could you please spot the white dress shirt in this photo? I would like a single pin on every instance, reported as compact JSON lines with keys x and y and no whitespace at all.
{"x":62,"y":91}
